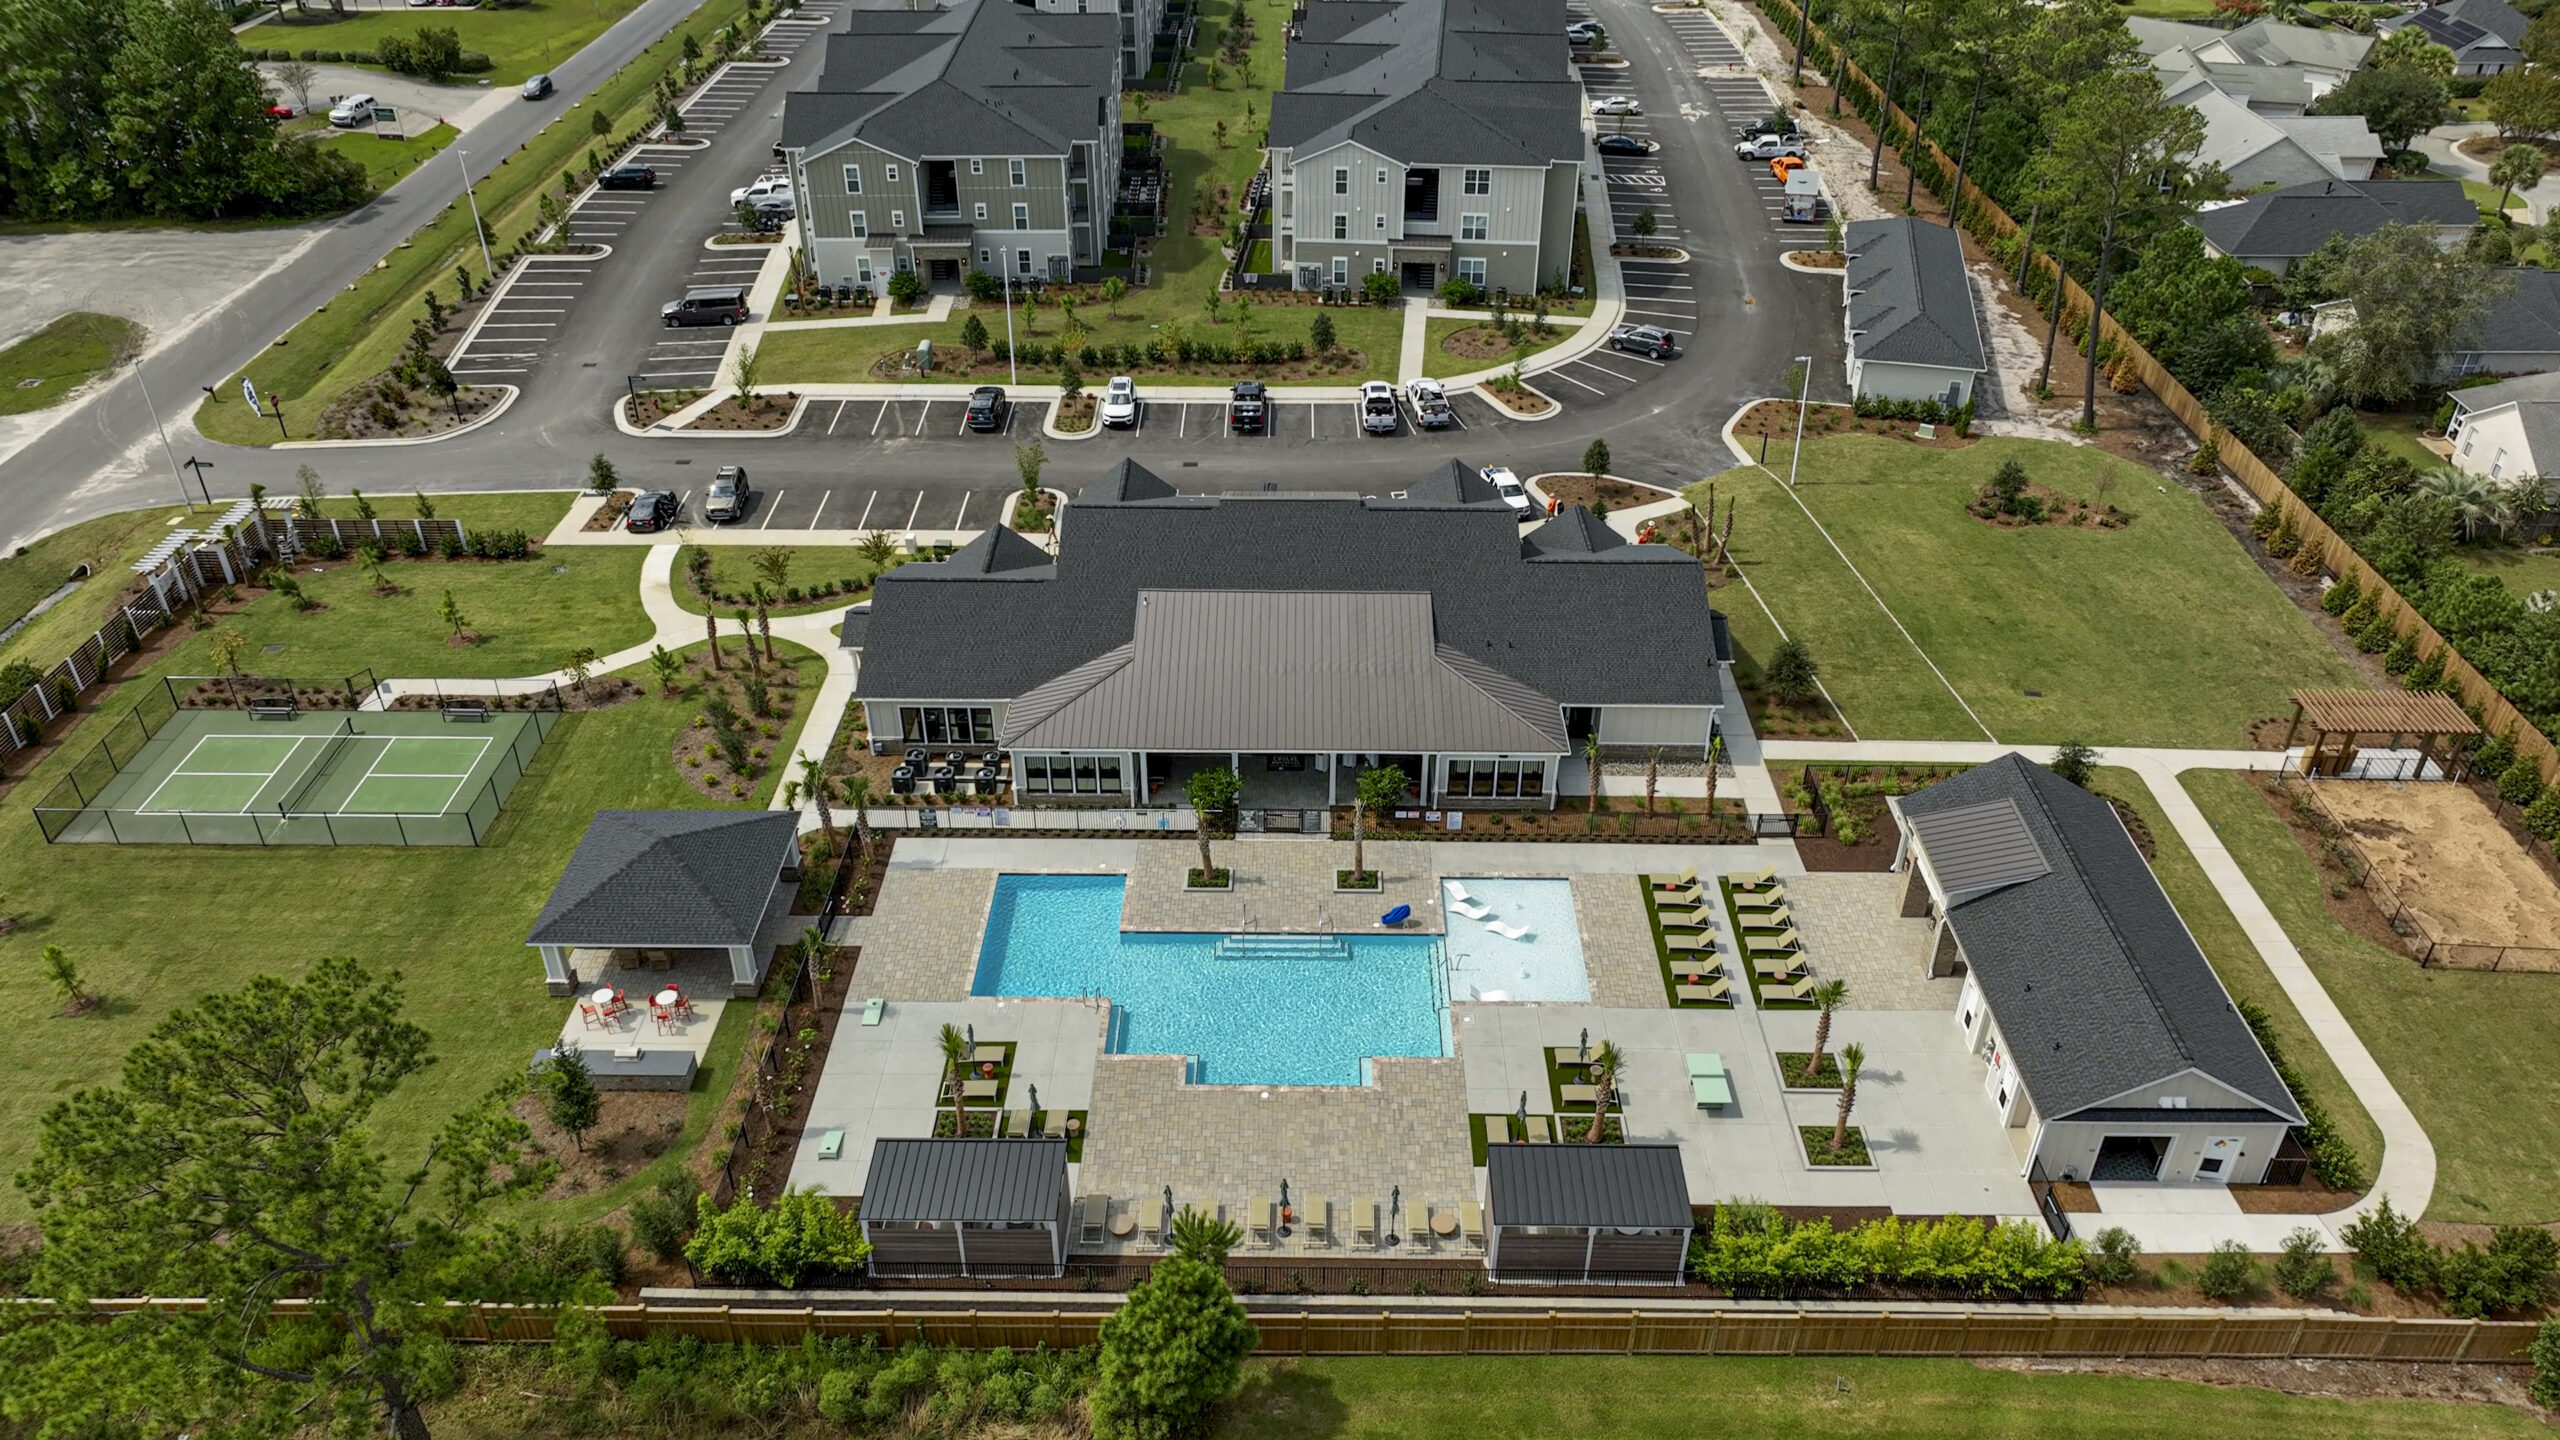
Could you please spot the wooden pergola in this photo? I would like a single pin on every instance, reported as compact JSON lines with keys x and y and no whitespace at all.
{"x":2340,"y":722}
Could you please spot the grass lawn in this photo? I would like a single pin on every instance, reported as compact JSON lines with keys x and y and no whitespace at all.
{"x":1612,"y":1397}
{"x":2117,"y":629}
{"x":156,"y":927}
{"x":2398,"y":435}
{"x":386,"y":160}
{"x":2525,"y":571}
{"x":61,"y":357}
{"x":1439,"y":363}
{"x":520,"y":42}
{"x":532,"y":511}
{"x":733,"y":571}
{"x":360,"y":333}
{"x":807,"y":354}
{"x":2243,"y":973}
{"x":2468,"y":1050}
{"x":529,"y":613}
{"x":106,"y":545}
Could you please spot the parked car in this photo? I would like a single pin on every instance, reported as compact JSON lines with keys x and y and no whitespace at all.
{"x":767,"y":188}
{"x":728,"y":497}
{"x":1430,"y":403}
{"x":988,"y":408}
{"x":1651,"y":341}
{"x":1786,"y":165}
{"x":1625,"y":145}
{"x":279,"y":113}
{"x":1378,"y":413}
{"x":1506,"y":485}
{"x":1617,"y":105}
{"x":1583,"y":32}
{"x":1120,"y":402}
{"x":537,"y":88}
{"x":1768,"y":147}
{"x":1248,"y":408}
{"x":628,"y":177}
{"x":1774,"y":123}
{"x":707,"y":305}
{"x":652,"y":511}
{"x":351,"y":111}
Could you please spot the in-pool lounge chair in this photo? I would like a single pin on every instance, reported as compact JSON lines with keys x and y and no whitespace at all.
{"x":1714,"y":990}
{"x":1469,"y":909}
{"x":1681,"y":881}
{"x":1507,"y":932}
{"x":1456,"y":892}
{"x":1767,"y":879}
{"x":1802,"y":989}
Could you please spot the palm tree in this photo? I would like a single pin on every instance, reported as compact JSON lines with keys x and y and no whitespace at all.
{"x":1606,"y":1062}
{"x":1853,"y":1057}
{"x":764,"y":596}
{"x":2478,"y":503}
{"x":1591,"y":758}
{"x":1376,"y":789}
{"x":2517,"y":167}
{"x":746,"y":627}
{"x":813,"y":778}
{"x":857,"y":793}
{"x":1198,"y":1235}
{"x":955,"y":1063}
{"x":774,"y":564}
{"x":1826,"y":997}
{"x":711,"y":633}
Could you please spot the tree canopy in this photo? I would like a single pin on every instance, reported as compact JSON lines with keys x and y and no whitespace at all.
{"x":2412,"y":301}
{"x":2396,"y":101}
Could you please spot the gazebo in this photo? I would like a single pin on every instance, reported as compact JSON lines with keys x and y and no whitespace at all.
{"x":2339,"y":723}
{"x":672,"y":880}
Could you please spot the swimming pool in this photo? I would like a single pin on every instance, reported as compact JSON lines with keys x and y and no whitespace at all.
{"x":1252,"y":1009}
{"x":1543,"y":964}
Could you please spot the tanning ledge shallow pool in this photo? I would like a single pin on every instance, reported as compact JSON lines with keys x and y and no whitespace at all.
{"x":1249,"y":1009}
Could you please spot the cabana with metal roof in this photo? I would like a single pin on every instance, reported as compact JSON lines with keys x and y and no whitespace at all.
{"x":1586,"y":1214}
{"x":967,"y":1207}
{"x":670,"y":880}
{"x":2334,"y":724}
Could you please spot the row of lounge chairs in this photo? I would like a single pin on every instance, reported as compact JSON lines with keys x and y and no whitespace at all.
{"x":1314,"y":1216}
{"x":1776,"y":951}
{"x":1680,"y":908}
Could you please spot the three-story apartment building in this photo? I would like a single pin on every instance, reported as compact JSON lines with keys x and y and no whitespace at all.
{"x":1430,"y":139}
{"x":982,"y":136}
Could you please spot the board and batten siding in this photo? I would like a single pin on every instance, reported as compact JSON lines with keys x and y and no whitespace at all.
{"x":1656,"y":724}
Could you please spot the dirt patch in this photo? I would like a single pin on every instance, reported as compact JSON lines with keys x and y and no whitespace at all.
{"x":1775,"y":421}
{"x":2307,"y":1198}
{"x":1587,"y":492}
{"x":2325,"y":1379}
{"x":2448,"y":860}
{"x":633,"y":1127}
{"x":2341,"y":883}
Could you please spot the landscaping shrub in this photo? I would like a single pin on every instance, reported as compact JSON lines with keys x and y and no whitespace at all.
{"x":2494,"y":755}
{"x":1791,"y":676}
{"x":661,"y":1219}
{"x":2545,"y":1354}
{"x":2111,"y":1260}
{"x":2333,"y":1156}
{"x":2521,"y":782}
{"x":801,"y":1235}
{"x":1175,"y":1349}
{"x":2339,"y":598}
{"x":1754,"y":1250}
{"x":2390,"y":1243}
{"x":500,"y":545}
{"x":2229,"y":1273}
{"x":2303,"y":1270}
{"x":2513,"y":1273}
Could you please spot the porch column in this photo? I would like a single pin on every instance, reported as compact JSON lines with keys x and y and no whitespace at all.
{"x":555,"y":970}
{"x":1430,"y":778}
{"x":1332,"y":767}
{"x":742,"y":971}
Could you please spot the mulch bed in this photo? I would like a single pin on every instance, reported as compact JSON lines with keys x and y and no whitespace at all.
{"x":615,"y":506}
{"x":696,"y":755}
{"x":633,"y":1127}
{"x":1076,"y":416}
{"x":2054,"y":508}
{"x":1775,"y":420}
{"x":1620,"y":818}
{"x":1643,"y":251}
{"x":1479,"y":342}
{"x":1822,"y":259}
{"x":762,"y":412}
{"x":1523,"y":401}
{"x":651,"y":406}
{"x":402,"y":413}
{"x":959,"y":364}
{"x":1585,"y":491}
{"x":601,"y":693}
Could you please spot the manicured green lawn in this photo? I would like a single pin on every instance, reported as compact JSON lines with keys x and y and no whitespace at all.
{"x":528,"y":613}
{"x":520,"y":42}
{"x":2243,"y":973}
{"x":532,"y":511}
{"x":386,"y":160}
{"x":2397,"y":434}
{"x":2525,"y":571}
{"x":106,"y":545}
{"x":2159,"y":633}
{"x":61,"y":357}
{"x":2468,"y":1050}
{"x":733,"y":571}
{"x":1614,"y":1397}
{"x":155,"y":927}
{"x":1439,"y":363}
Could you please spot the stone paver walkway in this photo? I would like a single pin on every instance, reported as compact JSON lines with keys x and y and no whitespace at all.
{"x":1617,"y":943}
{"x":1280,"y":886}
{"x":921,"y":941}
{"x":1852,"y":932}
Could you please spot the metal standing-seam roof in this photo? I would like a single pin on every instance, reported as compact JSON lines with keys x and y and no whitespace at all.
{"x":990,"y":1181}
{"x":1976,"y":849}
{"x":1910,"y":300}
{"x":673,"y":879}
{"x":1634,"y":1187}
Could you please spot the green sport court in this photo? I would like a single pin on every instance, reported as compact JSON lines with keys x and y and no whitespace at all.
{"x":221,"y":777}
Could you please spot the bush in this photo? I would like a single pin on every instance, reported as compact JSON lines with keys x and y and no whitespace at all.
{"x":2494,"y":756}
{"x":1753,"y":1250}
{"x":2229,"y":1273}
{"x":1175,"y":1349}
{"x":906,"y":287}
{"x":802,"y":1234}
{"x":660,"y":1219}
{"x":2112,"y":1261}
{"x":2303,"y":1270}
{"x":2545,"y":1354}
{"x":2341,"y":597}
{"x":2520,"y":783}
{"x":1791,"y":677}
{"x":2513,"y":1273}
{"x":2542,"y":817}
{"x":2390,"y":1243}
{"x":2376,"y":637}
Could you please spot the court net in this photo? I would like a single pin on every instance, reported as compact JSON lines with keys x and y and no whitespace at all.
{"x":329,"y":749}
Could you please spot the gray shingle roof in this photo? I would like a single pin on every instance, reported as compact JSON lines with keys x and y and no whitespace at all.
{"x":2097,"y":985}
{"x":1486,"y":82}
{"x":1910,"y":301}
{"x":1635,"y":1186}
{"x":990,"y":1181}
{"x":2524,"y":320}
{"x":2536,"y":399}
{"x":982,"y":77}
{"x":2290,"y":223}
{"x":2466,"y":27}
{"x":672,"y":879}
{"x":1554,"y":622}
{"x":1289,"y":671}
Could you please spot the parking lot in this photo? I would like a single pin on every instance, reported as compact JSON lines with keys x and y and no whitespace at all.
{"x":1737,"y":97}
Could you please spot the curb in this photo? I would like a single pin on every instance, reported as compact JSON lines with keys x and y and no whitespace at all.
{"x":1787,"y":258}
{"x":1492,"y":397}
{"x":714,"y":246}
{"x":1677,"y":256}
{"x":663,"y":431}
{"x":475,"y":423}
{"x":1049,"y":424}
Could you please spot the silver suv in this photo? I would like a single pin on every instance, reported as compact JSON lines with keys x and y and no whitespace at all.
{"x":729,"y":493}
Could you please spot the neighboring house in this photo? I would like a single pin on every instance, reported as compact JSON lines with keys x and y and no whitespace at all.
{"x":2254,"y":151}
{"x":667,"y":880}
{"x":1293,"y":637}
{"x":1586,"y":1214}
{"x":1429,"y":139}
{"x":984,"y":136}
{"x":2273,"y":68}
{"x":1141,"y":22}
{"x":2271,"y":231}
{"x":2485,"y":36}
{"x":2108,"y":1045}
{"x":1914,"y":333}
{"x":2519,"y":333}
{"x":967,"y":1207}
{"x":2508,"y":429}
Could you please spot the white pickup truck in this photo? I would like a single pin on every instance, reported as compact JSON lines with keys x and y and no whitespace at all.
{"x":770,"y":190}
{"x":1768,"y":147}
{"x":1430,"y":404}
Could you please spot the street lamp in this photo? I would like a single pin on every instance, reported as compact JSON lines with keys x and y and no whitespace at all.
{"x":479,"y":231}
{"x":1013,"y":362}
{"x":164,"y":438}
{"x":1804,"y":366}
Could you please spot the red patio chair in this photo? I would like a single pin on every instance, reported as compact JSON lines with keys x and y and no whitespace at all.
{"x":587,"y":1012}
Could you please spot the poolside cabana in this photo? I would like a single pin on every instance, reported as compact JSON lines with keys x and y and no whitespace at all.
{"x":672,"y":880}
{"x":2335,"y":724}
{"x":1586,"y":1214}
{"x":967,"y":1207}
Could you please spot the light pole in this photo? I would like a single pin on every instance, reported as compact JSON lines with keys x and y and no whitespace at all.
{"x":1013,"y":362}
{"x":478,"y":231}
{"x":1804,"y":365}
{"x":165,"y":447}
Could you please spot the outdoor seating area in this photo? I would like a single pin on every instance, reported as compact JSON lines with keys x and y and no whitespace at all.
{"x":1468,"y":907}
{"x":1684,"y":932}
{"x":994,"y":1106}
{"x":1765,"y":930}
{"x":1294,"y":1224}
{"x":629,"y":1001}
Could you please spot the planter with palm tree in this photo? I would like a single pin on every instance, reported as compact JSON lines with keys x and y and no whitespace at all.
{"x":1377,"y":789}
{"x":1608,"y":1063}
{"x":1212,"y":791}
{"x":1841,"y":1144}
{"x":1812,"y":1069}
{"x":955,"y":1072}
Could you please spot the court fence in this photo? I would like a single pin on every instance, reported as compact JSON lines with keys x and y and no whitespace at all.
{"x":73,"y":808}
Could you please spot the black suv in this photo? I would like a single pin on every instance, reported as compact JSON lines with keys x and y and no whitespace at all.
{"x":988,"y":407}
{"x":1247,"y":408}
{"x":652,"y":511}
{"x":628,"y":177}
{"x":1647,"y":340}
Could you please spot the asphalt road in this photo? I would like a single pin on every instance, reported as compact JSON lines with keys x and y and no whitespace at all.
{"x":1740,"y":314}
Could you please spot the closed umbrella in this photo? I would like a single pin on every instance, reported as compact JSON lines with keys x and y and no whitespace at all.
{"x":1035,"y":1095}
{"x":1167,"y":1228}
{"x":1584,"y":1051}
{"x":1395,"y":1208}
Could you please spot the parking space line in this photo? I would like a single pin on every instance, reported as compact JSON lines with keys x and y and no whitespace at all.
{"x":823,"y":497}
{"x":875,"y":429}
{"x":865,"y":521}
{"x":839,"y":415}
{"x":914,"y":511}
{"x":1569,"y":380}
{"x":1605,"y":370}
{"x":961,"y":520}
{"x":771,"y":507}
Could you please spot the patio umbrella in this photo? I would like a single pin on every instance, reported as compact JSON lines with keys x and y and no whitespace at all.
{"x":1524,"y":1109}
{"x":973,"y":1032}
{"x":1395,"y":1207}
{"x":1584,"y":1053}
{"x":1168,"y":1209}
{"x":1284,"y":1194}
{"x":1035,"y":1095}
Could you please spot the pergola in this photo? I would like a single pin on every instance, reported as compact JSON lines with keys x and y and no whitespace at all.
{"x":672,"y":880}
{"x":2340,"y":722}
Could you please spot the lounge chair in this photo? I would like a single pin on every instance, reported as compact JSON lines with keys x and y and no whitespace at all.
{"x":1691,"y":921}
{"x":1801,"y":989}
{"x":1159,"y":1223}
{"x":977,"y":1090}
{"x":1680,"y":881}
{"x":1696,"y":972}
{"x":1507,"y":932}
{"x":1702,"y":942}
{"x":1713,"y":990}
{"x":1469,"y":909}
{"x":1456,"y":892}
{"x":1686,"y":897}
{"x":1777,"y":967}
{"x":1364,"y":1221}
{"x":1016,"y":1123}
{"x":1567,"y":1055}
{"x":1053,"y":1124}
{"x":1773,"y":898}
{"x":1784,"y":942}
{"x":1781,"y":918}
{"x":987,"y":1055}
{"x":1096,"y":1209}
{"x":1257,"y":1222}
{"x":1539,"y":1132}
{"x":1319,"y":1218}
{"x":1766,"y":879}
{"x":1587,"y":1094}
{"x":1471,"y":1223}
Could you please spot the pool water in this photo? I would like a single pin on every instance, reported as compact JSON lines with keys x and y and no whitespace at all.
{"x":1544,"y":965}
{"x":1251,"y":1010}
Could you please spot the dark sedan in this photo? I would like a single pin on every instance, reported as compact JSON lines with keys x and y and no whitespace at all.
{"x":628,"y":177}
{"x":987,"y":408}
{"x":1623,"y":145}
{"x":652,"y":511}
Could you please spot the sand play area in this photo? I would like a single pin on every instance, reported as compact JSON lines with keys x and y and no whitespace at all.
{"x":2439,"y":850}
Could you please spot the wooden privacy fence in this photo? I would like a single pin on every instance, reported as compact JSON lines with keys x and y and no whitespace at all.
{"x":1975,"y":208}
{"x":2057,"y":1332}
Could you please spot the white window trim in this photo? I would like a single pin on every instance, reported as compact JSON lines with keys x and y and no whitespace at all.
{"x":1021,"y":216}
{"x":1341,"y":269}
{"x":1472,"y":264}
{"x":1019,"y":174}
{"x":861,"y":226}
{"x":898,"y":222}
{"x":1341,"y":180}
{"x":853,"y":179}
{"x":977,"y":165}
{"x":893,"y":173}
{"x":1471,"y":185}
{"x":1341,"y":226}
{"x":1483,"y":227}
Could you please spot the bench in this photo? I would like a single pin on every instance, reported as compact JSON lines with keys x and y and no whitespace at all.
{"x":274,"y":710}
{"x":466,"y":710}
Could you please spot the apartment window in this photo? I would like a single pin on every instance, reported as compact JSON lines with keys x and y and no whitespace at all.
{"x":1341,"y":227}
{"x":893,"y":173}
{"x":861,"y":226}
{"x":977,"y":167}
{"x":1382,"y":177}
{"x":1378,"y":266}
{"x":2466,"y":444}
{"x":1472,"y":271}
{"x":1382,"y":222}
{"x":1020,"y":176}
{"x":853,"y":179}
{"x":1341,"y":270}
{"x":946,"y":725}
{"x":1341,"y":180}
{"x":1474,"y":227}
{"x":1479,"y":182}
{"x":2498,"y":464}
{"x":982,"y":258}
{"x":1021,"y":217}
{"x":1071,"y":775}
{"x":981,"y":212}
{"x":1497,"y":779}
{"x":898,"y":222}
{"x":862,"y":269}
{"x":1022,"y":262}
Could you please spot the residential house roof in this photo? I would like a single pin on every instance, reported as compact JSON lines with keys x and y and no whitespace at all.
{"x":2290,"y":223}
{"x":1485,"y":82}
{"x":2474,"y":30}
{"x":983,"y":77}
{"x":1633,"y":1186}
{"x":1910,"y":300}
{"x":672,"y":879}
{"x":2536,"y":401}
{"x":2260,"y":42}
{"x":2342,"y":146}
{"x":2524,"y":320}
{"x":2098,"y":987}
{"x":993,"y":1182}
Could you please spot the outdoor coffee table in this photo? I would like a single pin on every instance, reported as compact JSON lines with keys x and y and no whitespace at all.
{"x":605,"y":996}
{"x":1443,"y":1224}
{"x":1123,"y":1225}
